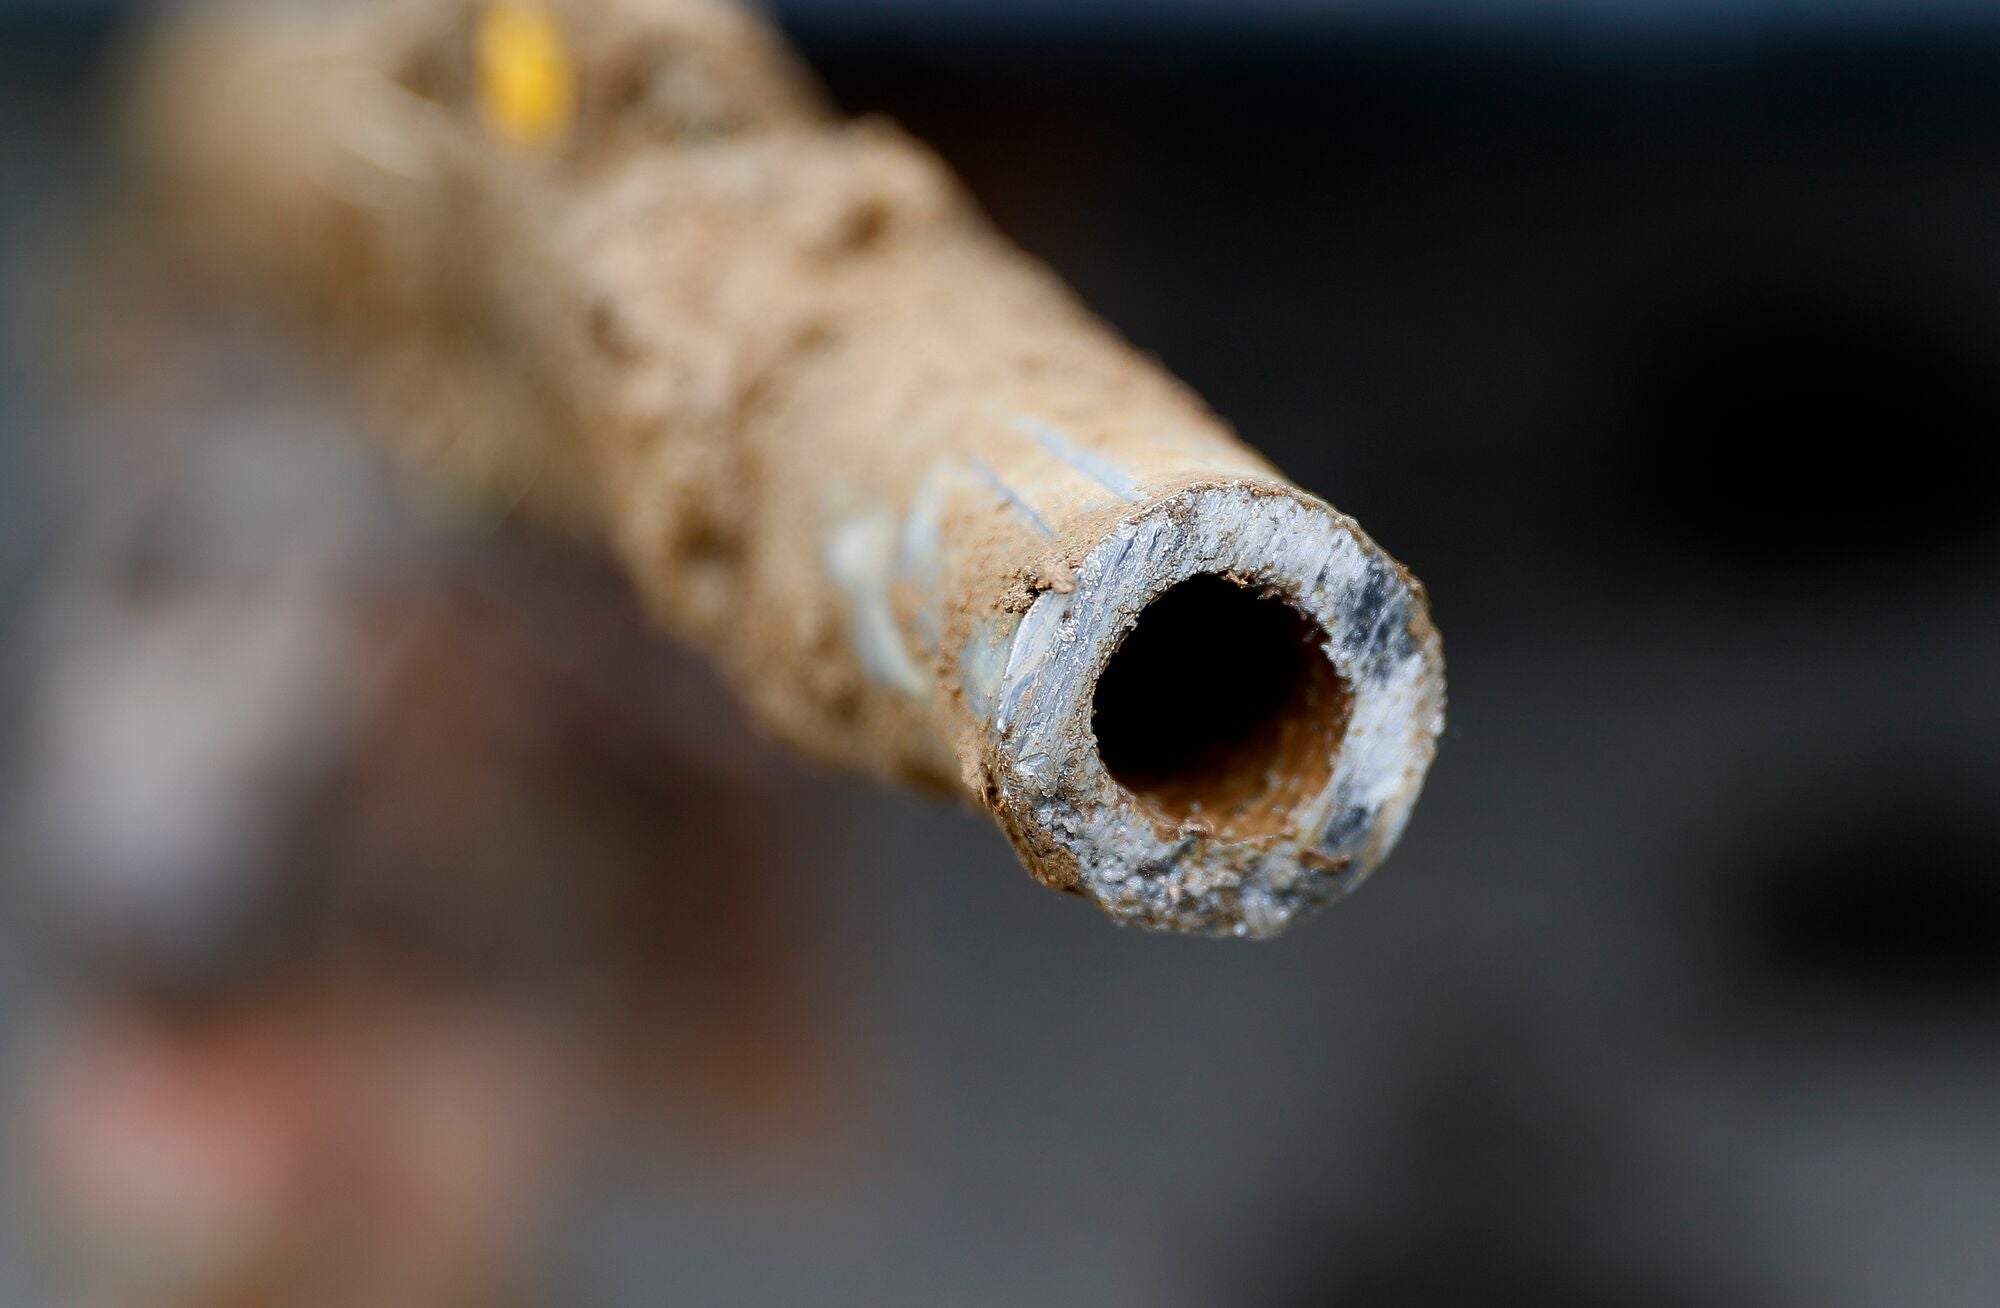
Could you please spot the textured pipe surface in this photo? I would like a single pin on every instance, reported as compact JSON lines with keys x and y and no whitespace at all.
{"x":908,"y":493}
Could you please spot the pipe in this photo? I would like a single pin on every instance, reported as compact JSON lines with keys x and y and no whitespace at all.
{"x":612,"y":261}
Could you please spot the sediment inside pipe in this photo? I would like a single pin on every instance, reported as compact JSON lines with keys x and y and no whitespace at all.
{"x":1220,"y":709}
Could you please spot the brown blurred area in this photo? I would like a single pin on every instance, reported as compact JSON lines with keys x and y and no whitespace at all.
{"x":387,"y":867}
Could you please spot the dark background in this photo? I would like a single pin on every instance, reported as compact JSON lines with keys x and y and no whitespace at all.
{"x":1663,"y":343}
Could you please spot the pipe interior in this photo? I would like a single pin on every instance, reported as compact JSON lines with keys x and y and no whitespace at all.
{"x":1220,"y":709}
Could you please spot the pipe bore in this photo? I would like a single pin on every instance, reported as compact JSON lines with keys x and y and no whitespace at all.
{"x":1220,"y":709}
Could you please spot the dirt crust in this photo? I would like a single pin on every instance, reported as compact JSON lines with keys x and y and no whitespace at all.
{"x":841,"y":434}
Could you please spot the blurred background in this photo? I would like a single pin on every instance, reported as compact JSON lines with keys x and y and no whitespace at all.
{"x":1662,"y":340}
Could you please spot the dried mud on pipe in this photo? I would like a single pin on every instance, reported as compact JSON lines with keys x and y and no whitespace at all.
{"x":903,"y":488}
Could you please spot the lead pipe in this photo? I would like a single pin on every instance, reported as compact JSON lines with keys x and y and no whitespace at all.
{"x":614,"y":262}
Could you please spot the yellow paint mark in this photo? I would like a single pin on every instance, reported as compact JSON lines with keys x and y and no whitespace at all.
{"x":527,"y":77}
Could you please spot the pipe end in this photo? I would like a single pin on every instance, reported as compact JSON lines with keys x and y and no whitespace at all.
{"x":1225,"y":725}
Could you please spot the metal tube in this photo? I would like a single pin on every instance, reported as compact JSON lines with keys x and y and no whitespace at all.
{"x":931,"y":518}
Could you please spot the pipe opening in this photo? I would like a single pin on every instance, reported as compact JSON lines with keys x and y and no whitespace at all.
{"x":1220,"y":709}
